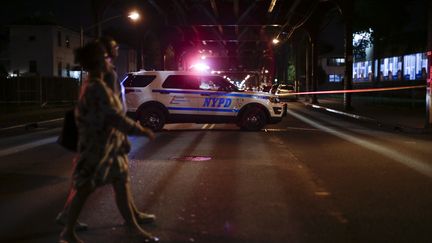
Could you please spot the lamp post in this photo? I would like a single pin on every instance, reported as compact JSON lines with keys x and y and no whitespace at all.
{"x":133,"y":15}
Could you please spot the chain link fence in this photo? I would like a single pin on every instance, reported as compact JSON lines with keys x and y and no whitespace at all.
{"x":38,"y":90}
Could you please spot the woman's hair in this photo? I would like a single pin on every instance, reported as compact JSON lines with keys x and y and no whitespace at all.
{"x":109,"y":44}
{"x":91,"y":56}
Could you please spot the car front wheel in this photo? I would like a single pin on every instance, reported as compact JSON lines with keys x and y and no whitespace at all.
{"x":253,"y":119}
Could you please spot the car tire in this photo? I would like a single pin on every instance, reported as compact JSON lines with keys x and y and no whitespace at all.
{"x":152,"y":118}
{"x":253,"y":119}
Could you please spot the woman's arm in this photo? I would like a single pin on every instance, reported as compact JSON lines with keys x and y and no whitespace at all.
{"x":115,"y":117}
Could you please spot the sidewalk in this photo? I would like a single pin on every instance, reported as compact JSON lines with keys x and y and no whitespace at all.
{"x":30,"y":116}
{"x":402,"y":115}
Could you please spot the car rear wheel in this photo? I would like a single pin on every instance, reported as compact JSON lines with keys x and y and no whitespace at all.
{"x":253,"y":119}
{"x":152,"y":118}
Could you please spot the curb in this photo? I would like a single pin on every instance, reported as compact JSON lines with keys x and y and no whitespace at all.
{"x":391,"y":126}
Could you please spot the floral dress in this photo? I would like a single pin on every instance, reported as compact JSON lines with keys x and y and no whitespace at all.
{"x":103,"y":145}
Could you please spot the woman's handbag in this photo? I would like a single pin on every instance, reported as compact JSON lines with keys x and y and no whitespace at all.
{"x":69,"y":134}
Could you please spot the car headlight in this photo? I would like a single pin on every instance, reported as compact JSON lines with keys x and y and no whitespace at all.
{"x":274,"y":99}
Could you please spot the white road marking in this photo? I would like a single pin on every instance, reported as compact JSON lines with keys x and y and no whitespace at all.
{"x":19,"y":148}
{"x":24,"y":125}
{"x":289,"y":128}
{"x":322,"y":194}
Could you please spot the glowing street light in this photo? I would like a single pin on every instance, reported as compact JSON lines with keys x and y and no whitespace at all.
{"x":275,"y":41}
{"x":134,"y":15}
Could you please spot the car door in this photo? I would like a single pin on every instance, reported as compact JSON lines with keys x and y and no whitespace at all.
{"x":215,"y":98}
{"x":180,"y":93}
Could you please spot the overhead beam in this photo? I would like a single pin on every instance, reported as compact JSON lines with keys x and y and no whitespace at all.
{"x":216,"y":14}
{"x":246,"y":13}
{"x":232,"y":40}
{"x":214,"y":7}
{"x":236,"y":10}
{"x":271,"y":6}
{"x":159,"y":9}
{"x":212,"y":19}
{"x":181,"y":10}
{"x":238,"y":25}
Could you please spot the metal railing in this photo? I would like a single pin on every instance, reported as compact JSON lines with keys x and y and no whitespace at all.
{"x":38,"y":90}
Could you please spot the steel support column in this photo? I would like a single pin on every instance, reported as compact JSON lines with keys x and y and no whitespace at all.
{"x":347,"y":13}
{"x":428,"y":123}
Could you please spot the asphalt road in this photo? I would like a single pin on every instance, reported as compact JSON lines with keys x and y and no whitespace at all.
{"x":311,"y":178}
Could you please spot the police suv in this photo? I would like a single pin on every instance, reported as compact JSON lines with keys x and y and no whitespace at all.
{"x":158,"y":97}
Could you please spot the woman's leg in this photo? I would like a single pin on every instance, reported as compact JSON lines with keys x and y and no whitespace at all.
{"x":61,"y":218}
{"x":141,"y":218}
{"x":123,"y":200}
{"x":68,"y":234}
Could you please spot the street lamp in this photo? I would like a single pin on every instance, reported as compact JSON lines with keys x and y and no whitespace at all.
{"x":133,"y":15}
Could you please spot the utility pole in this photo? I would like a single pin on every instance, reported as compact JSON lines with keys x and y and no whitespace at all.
{"x":307,"y":69}
{"x":347,"y":12}
{"x":81,"y":45}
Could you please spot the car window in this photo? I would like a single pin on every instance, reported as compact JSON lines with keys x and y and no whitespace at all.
{"x":181,"y":82}
{"x":286,"y":87}
{"x":216,"y":83}
{"x":274,"y":88}
{"x":208,"y":83}
{"x":226,"y":85}
{"x":138,"y":80}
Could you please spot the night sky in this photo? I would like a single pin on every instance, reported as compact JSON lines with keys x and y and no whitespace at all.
{"x":66,"y":13}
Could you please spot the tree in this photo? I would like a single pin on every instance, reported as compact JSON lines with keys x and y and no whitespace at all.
{"x":387,"y":20}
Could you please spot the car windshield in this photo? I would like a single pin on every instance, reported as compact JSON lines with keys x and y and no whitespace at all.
{"x":286,"y":87}
{"x":226,"y":85}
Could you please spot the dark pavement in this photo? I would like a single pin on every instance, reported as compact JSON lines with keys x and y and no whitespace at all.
{"x":311,"y":178}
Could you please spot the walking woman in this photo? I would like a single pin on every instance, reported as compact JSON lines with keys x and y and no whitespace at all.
{"x":102,"y":128}
{"x":110,"y":79}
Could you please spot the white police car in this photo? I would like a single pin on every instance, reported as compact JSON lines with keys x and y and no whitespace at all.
{"x":158,"y":97}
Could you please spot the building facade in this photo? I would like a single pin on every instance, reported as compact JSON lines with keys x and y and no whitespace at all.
{"x":45,"y":50}
{"x":48,"y":50}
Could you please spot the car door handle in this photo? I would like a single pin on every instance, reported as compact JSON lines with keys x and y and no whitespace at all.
{"x":205,"y":94}
{"x":164,"y":92}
